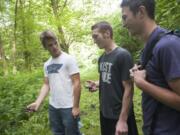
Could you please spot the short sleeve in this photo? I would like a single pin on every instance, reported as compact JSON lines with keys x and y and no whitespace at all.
{"x":72,"y":66}
{"x":99,"y":62}
{"x":125,"y":63}
{"x":169,"y":58}
{"x":45,"y":71}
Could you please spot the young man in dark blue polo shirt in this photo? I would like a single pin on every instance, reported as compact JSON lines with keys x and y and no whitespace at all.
{"x":160,"y":80}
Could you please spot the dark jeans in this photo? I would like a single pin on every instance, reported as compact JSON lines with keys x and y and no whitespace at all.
{"x":108,"y":126}
{"x":62,"y":122}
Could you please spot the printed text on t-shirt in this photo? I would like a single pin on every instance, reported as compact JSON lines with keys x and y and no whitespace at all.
{"x":105,"y":69}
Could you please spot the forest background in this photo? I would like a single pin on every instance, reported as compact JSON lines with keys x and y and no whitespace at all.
{"x":22,"y":56}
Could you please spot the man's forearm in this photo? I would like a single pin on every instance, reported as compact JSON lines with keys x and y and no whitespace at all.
{"x":127,"y":101}
{"x":76,"y":89}
{"x":77,"y":94}
{"x":43,"y":93}
{"x":163,"y":95}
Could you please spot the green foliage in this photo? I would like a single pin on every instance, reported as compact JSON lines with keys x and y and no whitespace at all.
{"x":16,"y":92}
{"x":76,"y":18}
{"x":36,"y":124}
{"x":33,"y":17}
{"x":20,"y":90}
{"x":2,"y":7}
{"x":167,"y":13}
{"x":89,"y":105}
{"x":137,"y":109}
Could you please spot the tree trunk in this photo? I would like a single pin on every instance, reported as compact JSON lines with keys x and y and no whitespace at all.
{"x":14,"y":43}
{"x":55,"y":6}
{"x":2,"y":58}
{"x":26,"y":52}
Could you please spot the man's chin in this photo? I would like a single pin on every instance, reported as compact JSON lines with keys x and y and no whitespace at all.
{"x":133,"y":34}
{"x":100,"y":47}
{"x":55,"y":55}
{"x":130,"y":33}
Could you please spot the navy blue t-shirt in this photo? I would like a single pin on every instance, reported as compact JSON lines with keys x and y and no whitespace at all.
{"x":164,"y":66}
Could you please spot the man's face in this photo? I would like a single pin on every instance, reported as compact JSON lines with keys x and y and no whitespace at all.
{"x":99,"y":38}
{"x":132,"y":22}
{"x":52,"y":47}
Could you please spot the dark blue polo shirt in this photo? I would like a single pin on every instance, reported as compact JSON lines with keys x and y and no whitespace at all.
{"x":164,"y":66}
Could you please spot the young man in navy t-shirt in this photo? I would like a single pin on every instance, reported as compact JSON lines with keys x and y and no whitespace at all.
{"x":160,"y":80}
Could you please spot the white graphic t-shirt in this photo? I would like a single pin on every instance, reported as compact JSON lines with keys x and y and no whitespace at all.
{"x":59,"y":71}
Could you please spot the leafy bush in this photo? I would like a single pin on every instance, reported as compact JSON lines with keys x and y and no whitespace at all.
{"x":16,"y":92}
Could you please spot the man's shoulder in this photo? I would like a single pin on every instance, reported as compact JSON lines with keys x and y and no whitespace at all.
{"x":47,"y":61}
{"x":67,"y":56}
{"x":168,"y":42}
{"x":165,"y":37}
{"x":122,"y":52}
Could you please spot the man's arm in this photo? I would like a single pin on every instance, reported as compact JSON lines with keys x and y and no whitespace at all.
{"x":122,"y":127}
{"x":168,"y":97}
{"x":43,"y":93}
{"x":77,"y":93}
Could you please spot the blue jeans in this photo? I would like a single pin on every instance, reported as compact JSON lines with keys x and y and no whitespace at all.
{"x":62,"y":122}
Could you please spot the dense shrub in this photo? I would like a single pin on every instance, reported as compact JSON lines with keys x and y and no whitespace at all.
{"x":16,"y":92}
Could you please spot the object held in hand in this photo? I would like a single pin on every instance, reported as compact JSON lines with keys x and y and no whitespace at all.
{"x":29,"y":110}
{"x":91,"y":86}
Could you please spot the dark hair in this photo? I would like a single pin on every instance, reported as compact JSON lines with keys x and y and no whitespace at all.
{"x":46,"y":35}
{"x":135,"y":4}
{"x":103,"y":27}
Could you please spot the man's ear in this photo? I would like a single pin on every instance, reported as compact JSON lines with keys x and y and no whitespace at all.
{"x":44,"y":47}
{"x":107,"y":34}
{"x":142,"y":12}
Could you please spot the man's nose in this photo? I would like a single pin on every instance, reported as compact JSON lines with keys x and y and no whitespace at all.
{"x":123,"y":24}
{"x":95,"y":41}
{"x":54,"y":45}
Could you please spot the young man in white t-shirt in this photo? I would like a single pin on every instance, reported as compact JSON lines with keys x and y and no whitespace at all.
{"x":62,"y":80}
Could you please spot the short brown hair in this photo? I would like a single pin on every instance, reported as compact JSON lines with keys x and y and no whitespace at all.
{"x":135,"y":4}
{"x":103,"y":26}
{"x":46,"y":35}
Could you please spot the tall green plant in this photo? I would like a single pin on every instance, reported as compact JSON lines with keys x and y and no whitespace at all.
{"x":168,"y":13}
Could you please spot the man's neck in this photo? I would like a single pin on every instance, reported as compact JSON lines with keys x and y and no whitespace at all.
{"x":57,"y":55}
{"x":149,"y":27}
{"x":110,"y":47}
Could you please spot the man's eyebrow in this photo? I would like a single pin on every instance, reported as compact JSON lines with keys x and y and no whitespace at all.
{"x":94,"y":35}
{"x":124,"y":16}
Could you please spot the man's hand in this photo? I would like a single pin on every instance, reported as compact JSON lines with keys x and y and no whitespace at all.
{"x":121,"y":128}
{"x":33,"y":107}
{"x":132,"y":70}
{"x":75,"y":112}
{"x":137,"y":75}
{"x":92,"y":86}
